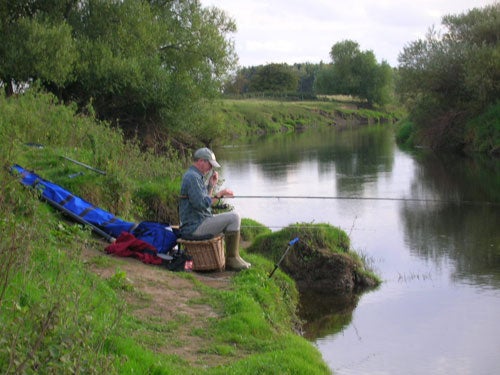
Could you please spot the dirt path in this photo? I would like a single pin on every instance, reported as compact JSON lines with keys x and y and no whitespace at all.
{"x":162,"y":295}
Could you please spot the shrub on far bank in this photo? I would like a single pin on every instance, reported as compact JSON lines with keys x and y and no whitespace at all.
{"x":405,"y":133}
{"x":483,"y":132}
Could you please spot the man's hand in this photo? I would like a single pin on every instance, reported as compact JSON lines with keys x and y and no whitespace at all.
{"x":225,"y":193}
{"x":214,"y":178}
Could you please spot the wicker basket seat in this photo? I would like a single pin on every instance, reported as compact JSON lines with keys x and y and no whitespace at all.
{"x":208,"y":255}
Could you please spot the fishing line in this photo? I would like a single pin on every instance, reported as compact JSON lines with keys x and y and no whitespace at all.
{"x":299,"y":226}
{"x":421,"y":200}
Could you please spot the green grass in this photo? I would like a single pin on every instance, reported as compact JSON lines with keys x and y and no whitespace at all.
{"x":250,"y":117}
{"x":52,"y":310}
{"x":318,"y":236}
{"x":58,"y":317}
{"x":250,"y":229}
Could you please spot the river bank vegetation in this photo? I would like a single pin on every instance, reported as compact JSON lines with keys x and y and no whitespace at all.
{"x":156,"y":76}
{"x":450,"y":82}
{"x":58,"y":315}
{"x":130,"y":88}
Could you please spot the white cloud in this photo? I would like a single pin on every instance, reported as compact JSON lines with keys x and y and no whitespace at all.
{"x":296,"y":31}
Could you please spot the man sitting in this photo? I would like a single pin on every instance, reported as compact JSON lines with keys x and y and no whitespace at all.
{"x":195,"y":208}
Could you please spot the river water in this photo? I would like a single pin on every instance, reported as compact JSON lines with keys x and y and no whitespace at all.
{"x":429,"y":226}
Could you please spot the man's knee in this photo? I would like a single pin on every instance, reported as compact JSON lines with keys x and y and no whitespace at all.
{"x":236,"y":217}
{"x":234,"y":222}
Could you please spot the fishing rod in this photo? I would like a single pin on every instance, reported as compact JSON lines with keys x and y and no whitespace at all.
{"x":428,"y":200}
{"x":79,"y":219}
{"x":290,"y":244}
{"x":84,"y":165}
{"x":40,"y":146}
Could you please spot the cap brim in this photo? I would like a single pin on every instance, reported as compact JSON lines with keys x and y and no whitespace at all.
{"x":214,"y":163}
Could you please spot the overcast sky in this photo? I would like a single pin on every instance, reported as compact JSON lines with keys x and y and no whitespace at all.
{"x":298,"y":31}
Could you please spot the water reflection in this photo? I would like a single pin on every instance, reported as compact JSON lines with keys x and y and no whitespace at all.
{"x":461,"y":230}
{"x":325,"y":315}
{"x":438,"y":307}
{"x":354,"y":158}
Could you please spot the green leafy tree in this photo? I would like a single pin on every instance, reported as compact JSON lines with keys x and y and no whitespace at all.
{"x":238,"y":84}
{"x":324,"y":82}
{"x":274,"y":78}
{"x":139,"y":63}
{"x":299,"y":78}
{"x":35,"y":44}
{"x":449,"y":78}
{"x":345,"y":57}
{"x":356,"y":73}
{"x":307,"y":73}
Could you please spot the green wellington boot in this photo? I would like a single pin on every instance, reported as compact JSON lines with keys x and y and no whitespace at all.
{"x":233,"y":259}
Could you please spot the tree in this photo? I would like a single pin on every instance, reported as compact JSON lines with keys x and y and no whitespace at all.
{"x":35,"y":44}
{"x":448,"y":78}
{"x":356,"y":73}
{"x":324,"y":83}
{"x":138,"y":62}
{"x":239,"y":82}
{"x":307,"y":73}
{"x":274,"y":78}
{"x":298,"y":78}
{"x":345,"y":59}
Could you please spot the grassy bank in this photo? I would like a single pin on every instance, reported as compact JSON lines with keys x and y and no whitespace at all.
{"x":58,"y":316}
{"x":66,"y":307}
{"x":248,"y":117}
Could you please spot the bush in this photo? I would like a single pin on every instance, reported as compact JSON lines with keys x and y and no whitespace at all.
{"x":405,"y":133}
{"x":483,"y":132}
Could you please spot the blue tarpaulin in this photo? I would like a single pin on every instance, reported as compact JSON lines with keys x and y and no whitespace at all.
{"x":161,"y":236}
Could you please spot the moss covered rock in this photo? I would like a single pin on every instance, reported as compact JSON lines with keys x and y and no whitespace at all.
{"x":321,"y":261}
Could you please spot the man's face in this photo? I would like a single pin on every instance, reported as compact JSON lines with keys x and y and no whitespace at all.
{"x":206,"y":166}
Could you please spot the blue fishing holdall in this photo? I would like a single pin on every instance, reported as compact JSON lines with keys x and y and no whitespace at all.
{"x":161,"y":236}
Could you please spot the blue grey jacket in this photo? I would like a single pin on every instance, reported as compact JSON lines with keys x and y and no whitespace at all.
{"x":195,"y":203}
